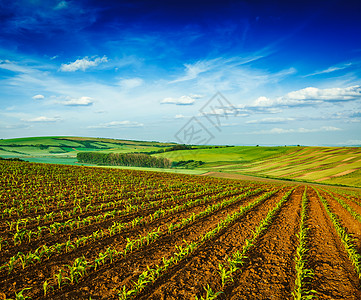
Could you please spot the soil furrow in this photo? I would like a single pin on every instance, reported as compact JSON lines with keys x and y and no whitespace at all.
{"x":346,"y":219}
{"x":192,"y":275}
{"x":356,"y":207}
{"x":107,"y":284}
{"x":269,"y":272}
{"x":335,"y":277}
{"x":91,"y":250}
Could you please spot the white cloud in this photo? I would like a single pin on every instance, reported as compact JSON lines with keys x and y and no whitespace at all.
{"x":312,"y":96}
{"x":82,"y":101}
{"x":180,"y":116}
{"x":130,"y":83}
{"x":38,"y":97}
{"x":298,"y":130}
{"x":117,"y":124}
{"x":224,"y":111}
{"x":82,"y":64}
{"x":183,"y":100}
{"x":193,"y":70}
{"x":270,"y":120}
{"x":43,"y":119}
{"x":330,"y":69}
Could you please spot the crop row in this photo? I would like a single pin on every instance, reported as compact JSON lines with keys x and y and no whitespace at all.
{"x":346,"y":238}
{"x":26,"y":259}
{"x":69,"y":275}
{"x":152,"y":274}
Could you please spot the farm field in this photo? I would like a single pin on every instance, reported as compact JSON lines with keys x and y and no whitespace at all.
{"x":72,"y":232}
{"x":63,"y":149}
{"x":330,"y":165}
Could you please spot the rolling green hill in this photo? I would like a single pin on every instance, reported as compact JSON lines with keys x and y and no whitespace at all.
{"x":64,"y":149}
{"x":331,"y":165}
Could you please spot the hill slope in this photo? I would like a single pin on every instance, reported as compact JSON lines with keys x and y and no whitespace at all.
{"x":332,"y":165}
{"x":64,"y":149}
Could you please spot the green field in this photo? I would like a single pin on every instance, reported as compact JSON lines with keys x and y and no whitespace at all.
{"x":68,"y":147}
{"x":330,"y":165}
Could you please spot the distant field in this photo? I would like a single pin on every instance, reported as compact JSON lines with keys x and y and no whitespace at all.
{"x":227,"y":155}
{"x":68,"y":147}
{"x":330,"y":165}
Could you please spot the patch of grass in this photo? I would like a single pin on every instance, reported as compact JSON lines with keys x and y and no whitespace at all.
{"x":222,"y":155}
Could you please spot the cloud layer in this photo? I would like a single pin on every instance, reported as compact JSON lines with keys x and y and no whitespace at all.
{"x":83,"y":64}
{"x":312,"y":96}
{"x":118,"y":124}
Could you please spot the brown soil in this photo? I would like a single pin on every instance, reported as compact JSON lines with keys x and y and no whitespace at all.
{"x":335,"y":277}
{"x":50,"y":267}
{"x":201,"y":269}
{"x":346,"y":219}
{"x":267,"y":273}
{"x":127,"y":270}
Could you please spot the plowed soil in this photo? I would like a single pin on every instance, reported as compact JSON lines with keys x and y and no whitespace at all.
{"x":268,"y":271}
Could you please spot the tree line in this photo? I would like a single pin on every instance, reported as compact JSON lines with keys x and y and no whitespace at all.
{"x":123,"y":159}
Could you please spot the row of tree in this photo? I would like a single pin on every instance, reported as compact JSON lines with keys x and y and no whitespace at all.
{"x":123,"y":159}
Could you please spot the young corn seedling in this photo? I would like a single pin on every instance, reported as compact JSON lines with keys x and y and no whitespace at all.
{"x":2,"y":243}
{"x":126,"y":294}
{"x":100,"y":260}
{"x":46,"y":287}
{"x":346,"y":239}
{"x":20,"y":295}
{"x":210,"y":295}
{"x":225,"y":274}
{"x":59,"y":278}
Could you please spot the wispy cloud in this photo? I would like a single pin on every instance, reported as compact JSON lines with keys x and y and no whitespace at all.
{"x":193,"y":70}
{"x":219,"y":66}
{"x":298,"y":130}
{"x":131,"y":83}
{"x":117,"y":124}
{"x":350,"y":143}
{"x":83,"y":64}
{"x":61,"y":5}
{"x":330,"y":69}
{"x":270,"y":120}
{"x":43,"y":119}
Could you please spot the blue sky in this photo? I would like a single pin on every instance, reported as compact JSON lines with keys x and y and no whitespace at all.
{"x":286,"y":72}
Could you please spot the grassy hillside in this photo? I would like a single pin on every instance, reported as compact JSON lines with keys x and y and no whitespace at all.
{"x":227,"y":155}
{"x":332,"y":165}
{"x":64,"y":149}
